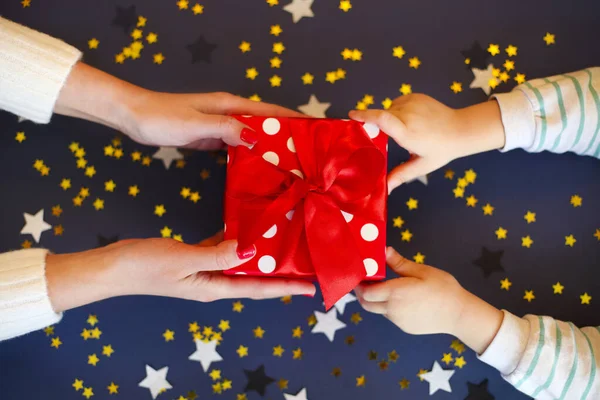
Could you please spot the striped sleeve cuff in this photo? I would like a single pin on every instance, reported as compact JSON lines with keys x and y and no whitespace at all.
{"x":517,"y":118}
{"x":507,"y":348}
{"x":34,"y":69}
{"x":24,"y":302}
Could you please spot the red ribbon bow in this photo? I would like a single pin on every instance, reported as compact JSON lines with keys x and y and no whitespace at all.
{"x":341,"y":167}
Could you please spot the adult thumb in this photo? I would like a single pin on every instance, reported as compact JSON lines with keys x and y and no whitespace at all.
{"x":225,"y":255}
{"x":228,"y":129}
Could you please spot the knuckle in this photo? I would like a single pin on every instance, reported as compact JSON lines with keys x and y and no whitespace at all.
{"x":221,"y":260}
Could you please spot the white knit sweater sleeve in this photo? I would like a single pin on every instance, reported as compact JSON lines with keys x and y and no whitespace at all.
{"x":24,"y":302}
{"x":33,"y":69}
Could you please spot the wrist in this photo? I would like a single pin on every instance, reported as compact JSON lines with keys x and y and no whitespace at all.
{"x":478,"y":322}
{"x":480,"y":128}
{"x":99,"y":97}
{"x":77,"y":279}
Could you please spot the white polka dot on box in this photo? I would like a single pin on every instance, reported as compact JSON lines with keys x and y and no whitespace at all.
{"x":299,"y":150}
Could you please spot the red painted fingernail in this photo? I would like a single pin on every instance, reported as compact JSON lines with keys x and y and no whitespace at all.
{"x":249,"y":136}
{"x":246,"y":253}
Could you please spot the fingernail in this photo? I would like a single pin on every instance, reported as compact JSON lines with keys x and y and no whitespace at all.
{"x":249,"y":136}
{"x":244,"y":254}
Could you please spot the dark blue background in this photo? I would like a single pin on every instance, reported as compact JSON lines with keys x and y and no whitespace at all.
{"x":445,"y":230}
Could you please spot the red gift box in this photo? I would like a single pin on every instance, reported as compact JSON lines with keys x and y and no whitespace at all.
{"x":311,"y":195}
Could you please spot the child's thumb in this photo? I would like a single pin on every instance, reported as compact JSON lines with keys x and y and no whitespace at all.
{"x":402,"y":266}
{"x":410,"y":170}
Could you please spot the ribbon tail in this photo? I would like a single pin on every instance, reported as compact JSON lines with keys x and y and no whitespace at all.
{"x":337,"y":272}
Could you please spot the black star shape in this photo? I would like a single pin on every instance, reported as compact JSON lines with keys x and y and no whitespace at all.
{"x":126,"y":18}
{"x":105,"y":241}
{"x":479,"y":392}
{"x":201,"y":50}
{"x":257,"y":380}
{"x":489,"y":261}
{"x":477,"y":55}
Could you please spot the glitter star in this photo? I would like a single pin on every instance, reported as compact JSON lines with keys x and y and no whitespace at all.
{"x":93,"y":43}
{"x":505,"y":284}
{"x":258,"y":332}
{"x":570,"y":240}
{"x":405,"y":89}
{"x":406,"y":235}
{"x":197,"y":9}
{"x":98,"y":204}
{"x":520,"y":78}
{"x":398,"y":52}
{"x":549,"y":38}
{"x":345,"y":5}
{"x":526,"y":241}
{"x":251,"y":73}
{"x":511,"y":50}
{"x":242,"y":351}
{"x":501,"y":233}
{"x":93,"y":359}
{"x":278,"y":351}
{"x":275,"y":30}
{"x":585,"y":298}
{"x":471,"y":201}
{"x":238,"y":306}
{"x":169,"y":335}
{"x":133,"y":191}
{"x":576,"y":201}
{"x":412,"y":204}
{"x":488,"y":209}
{"x":414,"y":62}
{"x":275,"y":81}
{"x":456,"y":87}
{"x":493,"y":49}
{"x":244,"y":47}
{"x":419,"y":258}
{"x":78,"y":384}
{"x":107,"y":350}
{"x":160,"y":210}
{"x":307,"y":79}
{"x":557,"y":288}
{"x":529,"y":296}
{"x":158,"y":58}
{"x":398,"y":222}
{"x":529,"y":217}
{"x":55,"y":342}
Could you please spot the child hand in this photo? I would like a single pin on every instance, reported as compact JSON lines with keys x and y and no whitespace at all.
{"x":435,"y":134}
{"x":426,"y":300}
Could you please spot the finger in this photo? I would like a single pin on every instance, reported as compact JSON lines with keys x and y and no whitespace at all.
{"x":385,"y":120}
{"x":375,"y":307}
{"x":226,"y":103}
{"x":207,"y":144}
{"x":377,"y":292}
{"x":408,"y":171}
{"x":225,"y":255}
{"x":212,"y":241}
{"x":403,"y":266}
{"x":223,"y":127}
{"x":225,"y":287}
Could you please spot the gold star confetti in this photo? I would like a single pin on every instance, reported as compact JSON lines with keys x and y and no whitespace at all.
{"x":549,"y":38}
{"x":404,"y":383}
{"x":336,"y":372}
{"x":87,"y":392}
{"x":597,"y":234}
{"x":456,"y":87}
{"x":95,"y":333}
{"x":386,"y":103}
{"x":493,"y":49}
{"x":25,"y":3}
{"x":278,"y":48}
{"x":93,"y":359}
{"x":529,"y":217}
{"x":244,"y":47}
{"x":224,"y":325}
{"x":414,"y":62}
{"x":447,"y":358}
{"x":258,"y":332}
{"x":488,"y":209}
{"x":107,"y":350}
{"x":361,"y":381}
{"x":307,"y":79}
{"x":275,"y":81}
{"x":585,"y":298}
{"x":286,"y":299}
{"x":78,"y":384}
{"x":312,"y":320}
{"x":471,"y":201}
{"x":251,"y":73}
{"x":460,"y":362}
{"x":520,"y":78}
{"x":238,"y":306}
{"x":276,"y":30}
{"x":282,"y":383}
{"x":405,"y":89}
{"x":576,"y":201}
{"x":505,"y":284}
{"x":570,"y":240}
{"x":113,"y":388}
{"x":133,"y":191}
{"x":356,"y":318}
{"x":419,"y":258}
{"x":406,"y":235}
{"x":421,"y":372}
{"x":511,"y":50}
{"x":58,"y":230}
{"x":529,"y":296}
{"x":65,"y":184}
{"x":49,"y":330}
{"x":158,"y":58}
{"x":398,"y":52}
{"x":242,"y":351}
{"x":169,"y":335}
{"x":297,"y":354}
{"x":55,"y":342}
{"x":457,"y":346}
{"x":98,"y":204}
{"x":557,"y":288}
{"x":272,"y":2}
{"x":412,"y":204}
{"x":345,"y":5}
{"x":398,"y":222}
{"x":183,"y":4}
{"x":166,"y":232}
{"x":449,"y":174}
{"x":393,"y":356}
{"x":278,"y":351}
{"x":160,"y":210}
{"x":526,"y":241}
{"x":501,"y":233}
{"x":215,"y":374}
{"x":86,"y":334}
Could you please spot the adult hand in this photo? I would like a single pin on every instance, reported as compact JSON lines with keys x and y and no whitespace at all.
{"x":162,"y":267}
{"x":198,"y":121}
